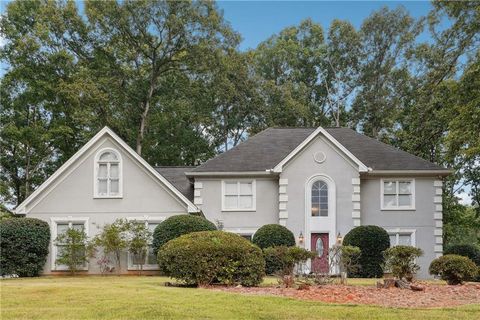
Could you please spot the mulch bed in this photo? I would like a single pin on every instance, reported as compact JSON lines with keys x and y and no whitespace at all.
{"x":434,"y":296}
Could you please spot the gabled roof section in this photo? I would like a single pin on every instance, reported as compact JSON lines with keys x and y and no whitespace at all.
{"x":106,"y":132}
{"x":260,"y":152}
{"x":274,"y":147}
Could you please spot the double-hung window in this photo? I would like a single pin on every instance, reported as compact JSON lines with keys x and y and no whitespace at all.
{"x":61,"y":226}
{"x":238,"y":195}
{"x":108,"y":174}
{"x":401,"y":237}
{"x":398,"y":194}
{"x":150,"y":262}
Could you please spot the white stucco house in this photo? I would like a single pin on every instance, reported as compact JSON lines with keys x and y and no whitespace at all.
{"x":318,"y":182}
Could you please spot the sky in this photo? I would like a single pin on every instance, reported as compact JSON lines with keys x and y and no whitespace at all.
{"x":256,"y":21}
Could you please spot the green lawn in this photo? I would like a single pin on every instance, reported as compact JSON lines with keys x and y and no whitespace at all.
{"x":147,"y":298}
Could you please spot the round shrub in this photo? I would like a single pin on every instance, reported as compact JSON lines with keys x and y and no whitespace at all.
{"x":176,"y":226}
{"x":283,"y":259}
{"x":202,"y":258}
{"x":24,"y":246}
{"x":272,"y":235}
{"x":466,"y":250}
{"x":453,"y":268}
{"x":372,"y":241}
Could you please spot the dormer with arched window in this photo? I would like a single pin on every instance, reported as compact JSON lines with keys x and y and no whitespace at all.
{"x":108,"y":174}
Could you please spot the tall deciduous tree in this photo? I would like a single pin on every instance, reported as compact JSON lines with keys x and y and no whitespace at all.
{"x":386,"y":36}
{"x":146,"y":40}
{"x":291,"y":66}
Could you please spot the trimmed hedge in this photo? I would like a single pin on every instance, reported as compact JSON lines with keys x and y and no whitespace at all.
{"x":453,"y":268}
{"x":273,"y":235}
{"x":24,"y":246}
{"x":202,"y":258}
{"x":283,"y":259}
{"x":176,"y":226}
{"x":466,"y":250}
{"x":372,"y":241}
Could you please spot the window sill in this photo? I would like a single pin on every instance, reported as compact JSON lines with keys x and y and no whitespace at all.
{"x":108,"y":197}
{"x":398,"y":209}
{"x":239,"y":210}
{"x":146,"y":267}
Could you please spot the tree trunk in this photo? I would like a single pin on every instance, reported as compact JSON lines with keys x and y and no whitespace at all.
{"x":144,"y":115}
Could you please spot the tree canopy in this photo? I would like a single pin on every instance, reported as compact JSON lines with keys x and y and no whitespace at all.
{"x":170,"y":79}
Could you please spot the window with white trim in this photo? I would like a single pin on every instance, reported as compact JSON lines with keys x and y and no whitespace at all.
{"x":108,"y":174}
{"x":398,"y":194}
{"x":401,"y":237}
{"x":238,"y":195}
{"x":150,"y":258}
{"x":319,"y":199}
{"x":60,"y":226}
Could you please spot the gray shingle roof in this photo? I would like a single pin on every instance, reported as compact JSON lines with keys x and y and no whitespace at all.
{"x":269,"y":147}
{"x":176,"y":176}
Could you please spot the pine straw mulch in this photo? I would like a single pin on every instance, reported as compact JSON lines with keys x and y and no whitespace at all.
{"x":434,"y":296}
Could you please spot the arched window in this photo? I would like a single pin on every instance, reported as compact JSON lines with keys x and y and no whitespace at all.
{"x":319,"y":199}
{"x":108,"y":174}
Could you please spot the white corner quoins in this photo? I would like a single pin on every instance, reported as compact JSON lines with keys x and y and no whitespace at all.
{"x":438,"y":217}
{"x":197,"y":194}
{"x":356,"y":202}
{"x":282,"y":201}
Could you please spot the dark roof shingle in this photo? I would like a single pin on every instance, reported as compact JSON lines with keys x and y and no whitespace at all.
{"x":176,"y":176}
{"x":269,"y":147}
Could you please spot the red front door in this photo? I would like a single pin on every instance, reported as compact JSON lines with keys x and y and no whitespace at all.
{"x":319,"y":244}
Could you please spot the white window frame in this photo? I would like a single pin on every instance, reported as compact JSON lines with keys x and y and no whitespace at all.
{"x":96,"y":167}
{"x":53,"y":229}
{"x":238,"y":181}
{"x":397,"y":180}
{"x":328,"y":198}
{"x":146,"y":219}
{"x":397,"y":232}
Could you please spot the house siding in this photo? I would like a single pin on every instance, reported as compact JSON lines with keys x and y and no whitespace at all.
{"x":421,"y":219}
{"x":266,"y":203}
{"x":72,"y":196}
{"x":301,"y":168}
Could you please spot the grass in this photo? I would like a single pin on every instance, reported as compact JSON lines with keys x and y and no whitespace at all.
{"x":148,"y":298}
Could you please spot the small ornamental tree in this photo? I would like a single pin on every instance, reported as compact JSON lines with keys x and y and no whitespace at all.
{"x":400,"y":261}
{"x":24,"y":246}
{"x":72,"y":246}
{"x":281,"y":260}
{"x":114,"y":239}
{"x":138,"y":243}
{"x":372,"y":241}
{"x":176,"y":226}
{"x":453,"y":268}
{"x":273,"y":235}
{"x":349,"y":261}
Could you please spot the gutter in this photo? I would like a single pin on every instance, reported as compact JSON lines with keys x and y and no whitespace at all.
{"x":438,"y":172}
{"x":231,"y":173}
